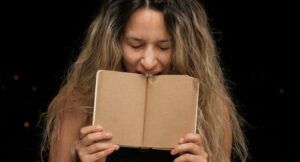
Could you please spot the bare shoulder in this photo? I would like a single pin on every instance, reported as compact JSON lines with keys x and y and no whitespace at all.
{"x":227,"y":112}
{"x":72,"y":118}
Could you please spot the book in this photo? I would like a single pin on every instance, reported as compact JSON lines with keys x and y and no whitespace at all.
{"x":146,"y":112}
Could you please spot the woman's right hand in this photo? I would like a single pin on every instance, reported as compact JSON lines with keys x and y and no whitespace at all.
{"x":93,"y":145}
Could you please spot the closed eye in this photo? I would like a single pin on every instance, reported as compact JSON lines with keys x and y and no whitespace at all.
{"x":164,"y":48}
{"x":136,"y":46}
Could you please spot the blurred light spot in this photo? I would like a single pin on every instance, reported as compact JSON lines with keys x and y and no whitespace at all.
{"x":16,"y":77}
{"x":34,"y":88}
{"x":281,"y":91}
{"x":26,"y":125}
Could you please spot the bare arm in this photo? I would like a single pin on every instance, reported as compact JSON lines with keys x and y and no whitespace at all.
{"x":88,"y":143}
{"x":71,"y":121}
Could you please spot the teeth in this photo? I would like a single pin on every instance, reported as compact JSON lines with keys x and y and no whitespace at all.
{"x":148,"y":75}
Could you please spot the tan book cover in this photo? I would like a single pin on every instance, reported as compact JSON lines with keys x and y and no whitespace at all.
{"x":147,"y":112}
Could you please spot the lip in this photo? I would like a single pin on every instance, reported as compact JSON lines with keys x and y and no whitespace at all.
{"x":149,"y":74}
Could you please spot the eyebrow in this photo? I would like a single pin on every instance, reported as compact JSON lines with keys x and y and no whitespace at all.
{"x":139,"y":39}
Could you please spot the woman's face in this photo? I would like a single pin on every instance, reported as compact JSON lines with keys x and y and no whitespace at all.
{"x":146,"y":44}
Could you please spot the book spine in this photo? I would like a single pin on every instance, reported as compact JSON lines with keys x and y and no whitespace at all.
{"x":95,"y":99}
{"x":197,"y":103}
{"x":145,"y":110}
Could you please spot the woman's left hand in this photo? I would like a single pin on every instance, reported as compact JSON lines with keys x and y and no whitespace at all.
{"x":190,"y":148}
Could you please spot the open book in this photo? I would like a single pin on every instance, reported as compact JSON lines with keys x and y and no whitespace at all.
{"x":147,"y":112}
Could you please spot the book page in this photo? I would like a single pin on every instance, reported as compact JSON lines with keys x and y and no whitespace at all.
{"x":171,"y":110}
{"x":119,"y":106}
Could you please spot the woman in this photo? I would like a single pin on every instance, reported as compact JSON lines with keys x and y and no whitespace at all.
{"x":150,"y":37}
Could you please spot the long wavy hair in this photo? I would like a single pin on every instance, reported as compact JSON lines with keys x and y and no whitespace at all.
{"x":194,"y":54}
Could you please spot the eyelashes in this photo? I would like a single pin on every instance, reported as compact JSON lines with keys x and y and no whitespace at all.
{"x":142,"y":45}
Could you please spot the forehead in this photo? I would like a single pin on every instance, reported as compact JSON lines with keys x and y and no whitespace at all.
{"x":146,"y":16}
{"x":145,"y":22}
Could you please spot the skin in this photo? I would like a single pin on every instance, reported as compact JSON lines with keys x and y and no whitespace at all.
{"x":146,"y":44}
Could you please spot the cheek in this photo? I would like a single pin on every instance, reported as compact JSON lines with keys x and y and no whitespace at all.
{"x":130,"y":60}
{"x":165,"y":62}
{"x":166,"y":59}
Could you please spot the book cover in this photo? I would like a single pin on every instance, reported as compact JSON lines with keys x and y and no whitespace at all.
{"x":147,"y":112}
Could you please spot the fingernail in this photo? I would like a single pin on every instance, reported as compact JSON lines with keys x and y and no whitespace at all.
{"x":116,"y":147}
{"x":108,"y":134}
{"x":181,"y":140}
{"x":99,"y":128}
{"x":173,"y":152}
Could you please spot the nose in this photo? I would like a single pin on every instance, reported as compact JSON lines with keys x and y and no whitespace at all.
{"x":149,"y":60}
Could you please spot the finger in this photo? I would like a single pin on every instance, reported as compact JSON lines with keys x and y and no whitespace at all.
{"x":94,"y":137}
{"x":187,"y":148}
{"x":102,"y":154}
{"x":186,"y":158}
{"x":90,"y":129}
{"x":95,"y":156}
{"x":96,"y":147}
{"x":192,"y":137}
{"x":196,"y":139}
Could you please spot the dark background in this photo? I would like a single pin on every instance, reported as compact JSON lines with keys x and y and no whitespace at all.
{"x":40,"y":39}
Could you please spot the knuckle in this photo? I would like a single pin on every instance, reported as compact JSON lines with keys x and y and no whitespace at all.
{"x":100,"y":155}
{"x":188,"y":157}
{"x":89,"y":137}
{"x":82,"y":131}
{"x":191,"y":146}
{"x":98,"y":146}
{"x":94,"y":147}
{"x":77,"y":148}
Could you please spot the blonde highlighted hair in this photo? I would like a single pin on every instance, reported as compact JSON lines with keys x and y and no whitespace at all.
{"x":195,"y":54}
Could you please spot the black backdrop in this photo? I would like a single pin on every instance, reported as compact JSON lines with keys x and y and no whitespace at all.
{"x":40,"y":39}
